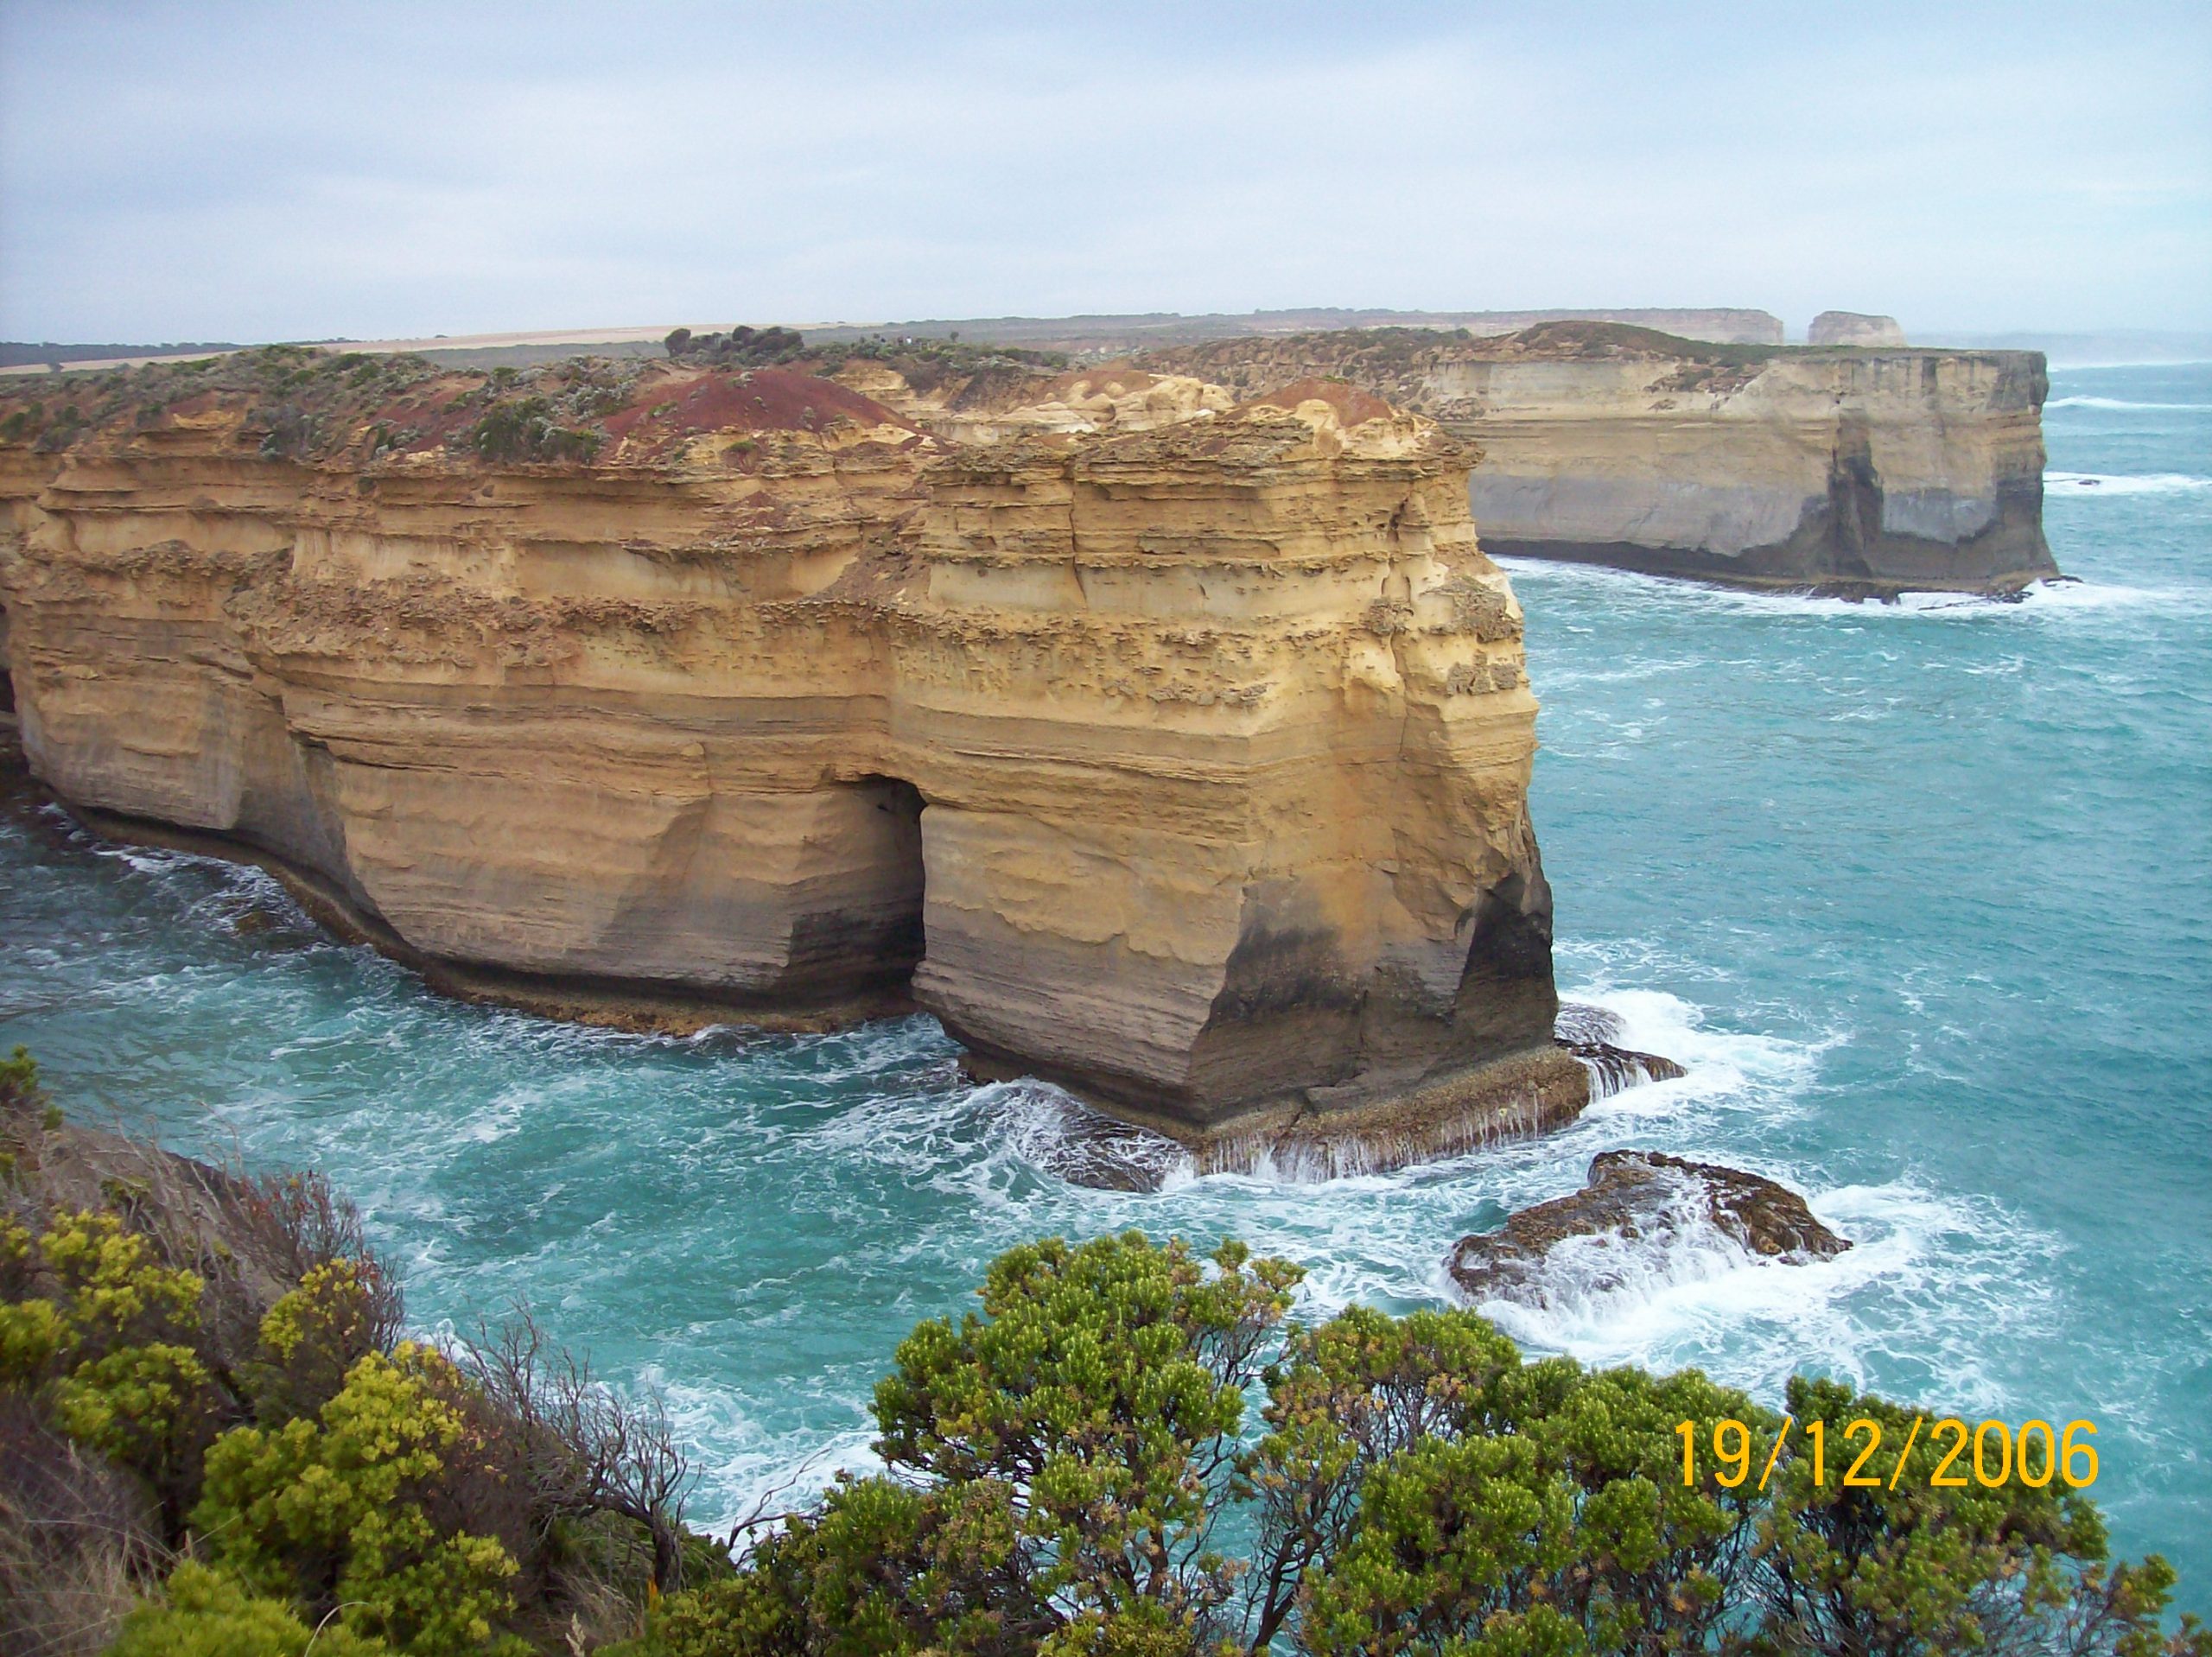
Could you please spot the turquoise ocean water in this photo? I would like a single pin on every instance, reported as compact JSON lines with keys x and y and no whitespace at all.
{"x":1922,"y":894}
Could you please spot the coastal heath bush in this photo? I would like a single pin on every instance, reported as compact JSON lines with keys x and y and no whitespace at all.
{"x":201,"y":1613}
{"x":272,"y":1474}
{"x":1072,"y":1470}
{"x":333,"y":1512}
{"x":109,"y":1349}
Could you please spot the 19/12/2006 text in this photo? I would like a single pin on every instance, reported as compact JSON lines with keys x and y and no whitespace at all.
{"x":1990,"y":1454}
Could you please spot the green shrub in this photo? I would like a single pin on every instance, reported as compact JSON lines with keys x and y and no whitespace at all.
{"x":524,"y":430}
{"x":336,"y":1512}
{"x":1064,"y":1473}
{"x":203,"y":1614}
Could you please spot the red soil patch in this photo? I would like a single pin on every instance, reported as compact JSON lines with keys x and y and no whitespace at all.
{"x":1353,"y":406}
{"x":759,"y":399}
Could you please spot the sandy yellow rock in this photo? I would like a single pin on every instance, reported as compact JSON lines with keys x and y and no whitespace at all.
{"x":1173,"y":748}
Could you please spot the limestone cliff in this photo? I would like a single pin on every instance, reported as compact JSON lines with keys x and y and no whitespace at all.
{"x":1173,"y":749}
{"x":1862,"y":471}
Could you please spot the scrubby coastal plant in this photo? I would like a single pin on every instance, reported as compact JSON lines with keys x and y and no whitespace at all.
{"x":1072,"y":1470}
{"x":526,"y":430}
{"x":213,"y":1438}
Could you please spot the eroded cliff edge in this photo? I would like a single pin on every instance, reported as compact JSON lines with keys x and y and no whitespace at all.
{"x":1177,"y":752}
{"x":1859,"y":471}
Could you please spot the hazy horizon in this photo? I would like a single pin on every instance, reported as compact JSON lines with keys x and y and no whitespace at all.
{"x":255,"y":172}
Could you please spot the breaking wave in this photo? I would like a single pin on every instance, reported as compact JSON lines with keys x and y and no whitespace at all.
{"x":2071,"y":484}
{"x":2123,"y":403}
{"x":1696,"y":1295}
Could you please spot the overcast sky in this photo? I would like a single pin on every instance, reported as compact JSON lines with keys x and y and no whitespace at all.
{"x":258,"y":172}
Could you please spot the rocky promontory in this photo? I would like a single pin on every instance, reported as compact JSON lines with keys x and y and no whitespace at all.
{"x":1864,"y":471}
{"x":1167,"y":743}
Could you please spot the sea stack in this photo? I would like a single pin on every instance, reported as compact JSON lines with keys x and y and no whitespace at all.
{"x":1853,"y":328}
{"x":1178,"y":754}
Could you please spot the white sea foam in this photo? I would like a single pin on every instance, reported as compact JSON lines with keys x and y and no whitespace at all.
{"x":2044,"y":598}
{"x":2074,"y":485}
{"x":1726,"y":1068}
{"x":748,"y":1472}
{"x":1058,"y":1134}
{"x":2123,"y":404}
{"x":1700,"y":1297}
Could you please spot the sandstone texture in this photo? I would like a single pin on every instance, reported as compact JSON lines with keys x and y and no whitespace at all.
{"x":1853,"y":328}
{"x":1864,"y":472}
{"x":1170,"y":744}
{"x":1632,"y":1198}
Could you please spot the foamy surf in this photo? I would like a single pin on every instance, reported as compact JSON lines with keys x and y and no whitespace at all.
{"x":1722,"y":1066}
{"x":1695,"y":1295}
{"x":2123,"y":405}
{"x":2081,"y":484}
{"x":1670,"y":595}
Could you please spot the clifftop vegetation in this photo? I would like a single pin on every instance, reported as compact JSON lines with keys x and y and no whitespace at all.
{"x":299,"y":404}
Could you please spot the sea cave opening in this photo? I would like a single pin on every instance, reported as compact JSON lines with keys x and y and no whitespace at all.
{"x":890,"y":852}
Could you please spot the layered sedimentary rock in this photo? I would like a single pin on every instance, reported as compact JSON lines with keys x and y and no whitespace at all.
{"x":1861,"y":472}
{"x":1180,"y":757}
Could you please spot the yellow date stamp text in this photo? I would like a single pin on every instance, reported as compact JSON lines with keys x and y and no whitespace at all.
{"x":1955,"y":1456}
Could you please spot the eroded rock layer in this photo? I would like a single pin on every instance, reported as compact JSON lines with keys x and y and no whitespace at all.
{"x":1173,"y":749}
{"x":1856,"y":471}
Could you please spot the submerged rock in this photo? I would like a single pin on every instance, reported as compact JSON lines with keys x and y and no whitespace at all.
{"x":1636,"y":1198}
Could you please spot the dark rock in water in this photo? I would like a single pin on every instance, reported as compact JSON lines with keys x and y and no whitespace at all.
{"x":255,"y":922}
{"x":1647,"y":1196}
{"x":1590,"y":1032}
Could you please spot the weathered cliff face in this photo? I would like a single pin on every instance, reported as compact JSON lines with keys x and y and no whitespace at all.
{"x":1860,"y":471}
{"x":1184,"y":761}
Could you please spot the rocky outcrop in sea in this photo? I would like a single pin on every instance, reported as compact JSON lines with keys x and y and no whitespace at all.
{"x":1636,"y":1205}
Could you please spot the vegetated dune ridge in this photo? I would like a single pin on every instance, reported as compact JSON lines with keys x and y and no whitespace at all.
{"x":1168,"y":747}
{"x":1858,"y":471}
